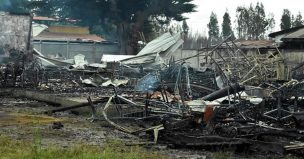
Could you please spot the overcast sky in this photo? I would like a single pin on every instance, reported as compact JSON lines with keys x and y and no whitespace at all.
{"x":198,"y":21}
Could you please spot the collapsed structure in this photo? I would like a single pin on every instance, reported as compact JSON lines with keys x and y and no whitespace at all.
{"x":249,"y":100}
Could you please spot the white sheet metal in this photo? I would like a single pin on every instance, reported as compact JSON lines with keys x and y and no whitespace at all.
{"x":156,"y":49}
{"x":160,"y":44}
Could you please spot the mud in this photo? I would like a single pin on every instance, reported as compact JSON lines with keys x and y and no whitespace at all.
{"x":23,"y":119}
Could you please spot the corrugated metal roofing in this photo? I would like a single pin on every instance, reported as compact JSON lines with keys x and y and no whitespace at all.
{"x":255,"y":43}
{"x":154,"y":50}
{"x":160,"y":44}
{"x":286,"y":31}
{"x":299,"y":34}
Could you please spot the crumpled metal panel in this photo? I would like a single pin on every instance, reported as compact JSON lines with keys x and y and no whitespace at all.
{"x":160,"y":44}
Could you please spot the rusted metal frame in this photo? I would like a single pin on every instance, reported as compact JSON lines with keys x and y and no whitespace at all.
{"x":235,"y":63}
{"x":168,"y":107}
{"x":156,"y":129}
{"x":215,"y":48}
{"x":73,"y":107}
{"x":224,"y":78}
{"x":111,"y":122}
{"x":165,"y":92}
{"x":232,"y":50}
{"x":219,"y":54}
{"x":245,"y":76}
{"x":260,"y":63}
{"x":177,"y":82}
{"x":238,"y":49}
{"x":249,"y":79}
{"x":189,"y":91}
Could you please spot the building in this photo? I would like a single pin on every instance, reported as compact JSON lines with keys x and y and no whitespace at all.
{"x":69,"y":41}
{"x":291,"y":44}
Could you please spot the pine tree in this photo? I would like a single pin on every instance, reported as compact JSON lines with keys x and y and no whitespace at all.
{"x":226,"y":26}
{"x":286,"y":19}
{"x":213,"y":28}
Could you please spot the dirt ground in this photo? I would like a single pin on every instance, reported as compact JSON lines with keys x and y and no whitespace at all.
{"x":21,"y":119}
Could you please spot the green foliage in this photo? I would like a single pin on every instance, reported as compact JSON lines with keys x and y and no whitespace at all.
{"x":252,"y":22}
{"x":222,"y":155}
{"x":14,"y":6}
{"x":185,"y":27}
{"x":226,"y":26}
{"x":12,"y":149}
{"x":213,"y":28}
{"x":286,"y":19}
{"x":122,"y":19}
{"x":298,"y":21}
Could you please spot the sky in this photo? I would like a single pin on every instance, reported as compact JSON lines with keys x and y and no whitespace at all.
{"x":198,"y":20}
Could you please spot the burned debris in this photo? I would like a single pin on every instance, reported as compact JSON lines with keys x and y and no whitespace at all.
{"x":239,"y":99}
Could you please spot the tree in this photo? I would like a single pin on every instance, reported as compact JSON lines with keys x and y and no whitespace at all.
{"x":242,"y":22}
{"x":123,"y":18}
{"x":15,"y":6}
{"x":185,"y":27}
{"x":213,"y":28}
{"x":298,"y":21}
{"x":226,"y":26}
{"x":252,"y":22}
{"x":286,"y":19}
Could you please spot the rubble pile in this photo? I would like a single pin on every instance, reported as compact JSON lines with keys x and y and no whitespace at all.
{"x":235,"y":101}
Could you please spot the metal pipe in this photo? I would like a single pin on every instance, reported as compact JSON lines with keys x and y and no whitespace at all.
{"x":234,"y":88}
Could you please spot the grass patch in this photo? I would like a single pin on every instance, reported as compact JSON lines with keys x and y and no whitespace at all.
{"x":24,"y":119}
{"x":222,"y":155}
{"x":20,"y":149}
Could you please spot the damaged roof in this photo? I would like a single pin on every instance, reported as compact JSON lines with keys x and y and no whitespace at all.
{"x":161,"y":43}
{"x":156,"y":49}
{"x":249,"y":44}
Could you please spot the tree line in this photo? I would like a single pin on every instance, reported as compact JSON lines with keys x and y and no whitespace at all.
{"x":126,"y":21}
{"x":251,"y":23}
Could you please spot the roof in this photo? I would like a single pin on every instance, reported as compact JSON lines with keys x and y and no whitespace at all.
{"x":297,"y":35}
{"x":66,"y":33}
{"x":164,"y":45}
{"x":286,"y":31}
{"x":255,"y":43}
{"x":44,"y":18}
{"x":69,"y":29}
{"x":46,"y":35}
{"x":161,"y":44}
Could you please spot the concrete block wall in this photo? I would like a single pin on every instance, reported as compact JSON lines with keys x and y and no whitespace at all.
{"x":15,"y":31}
